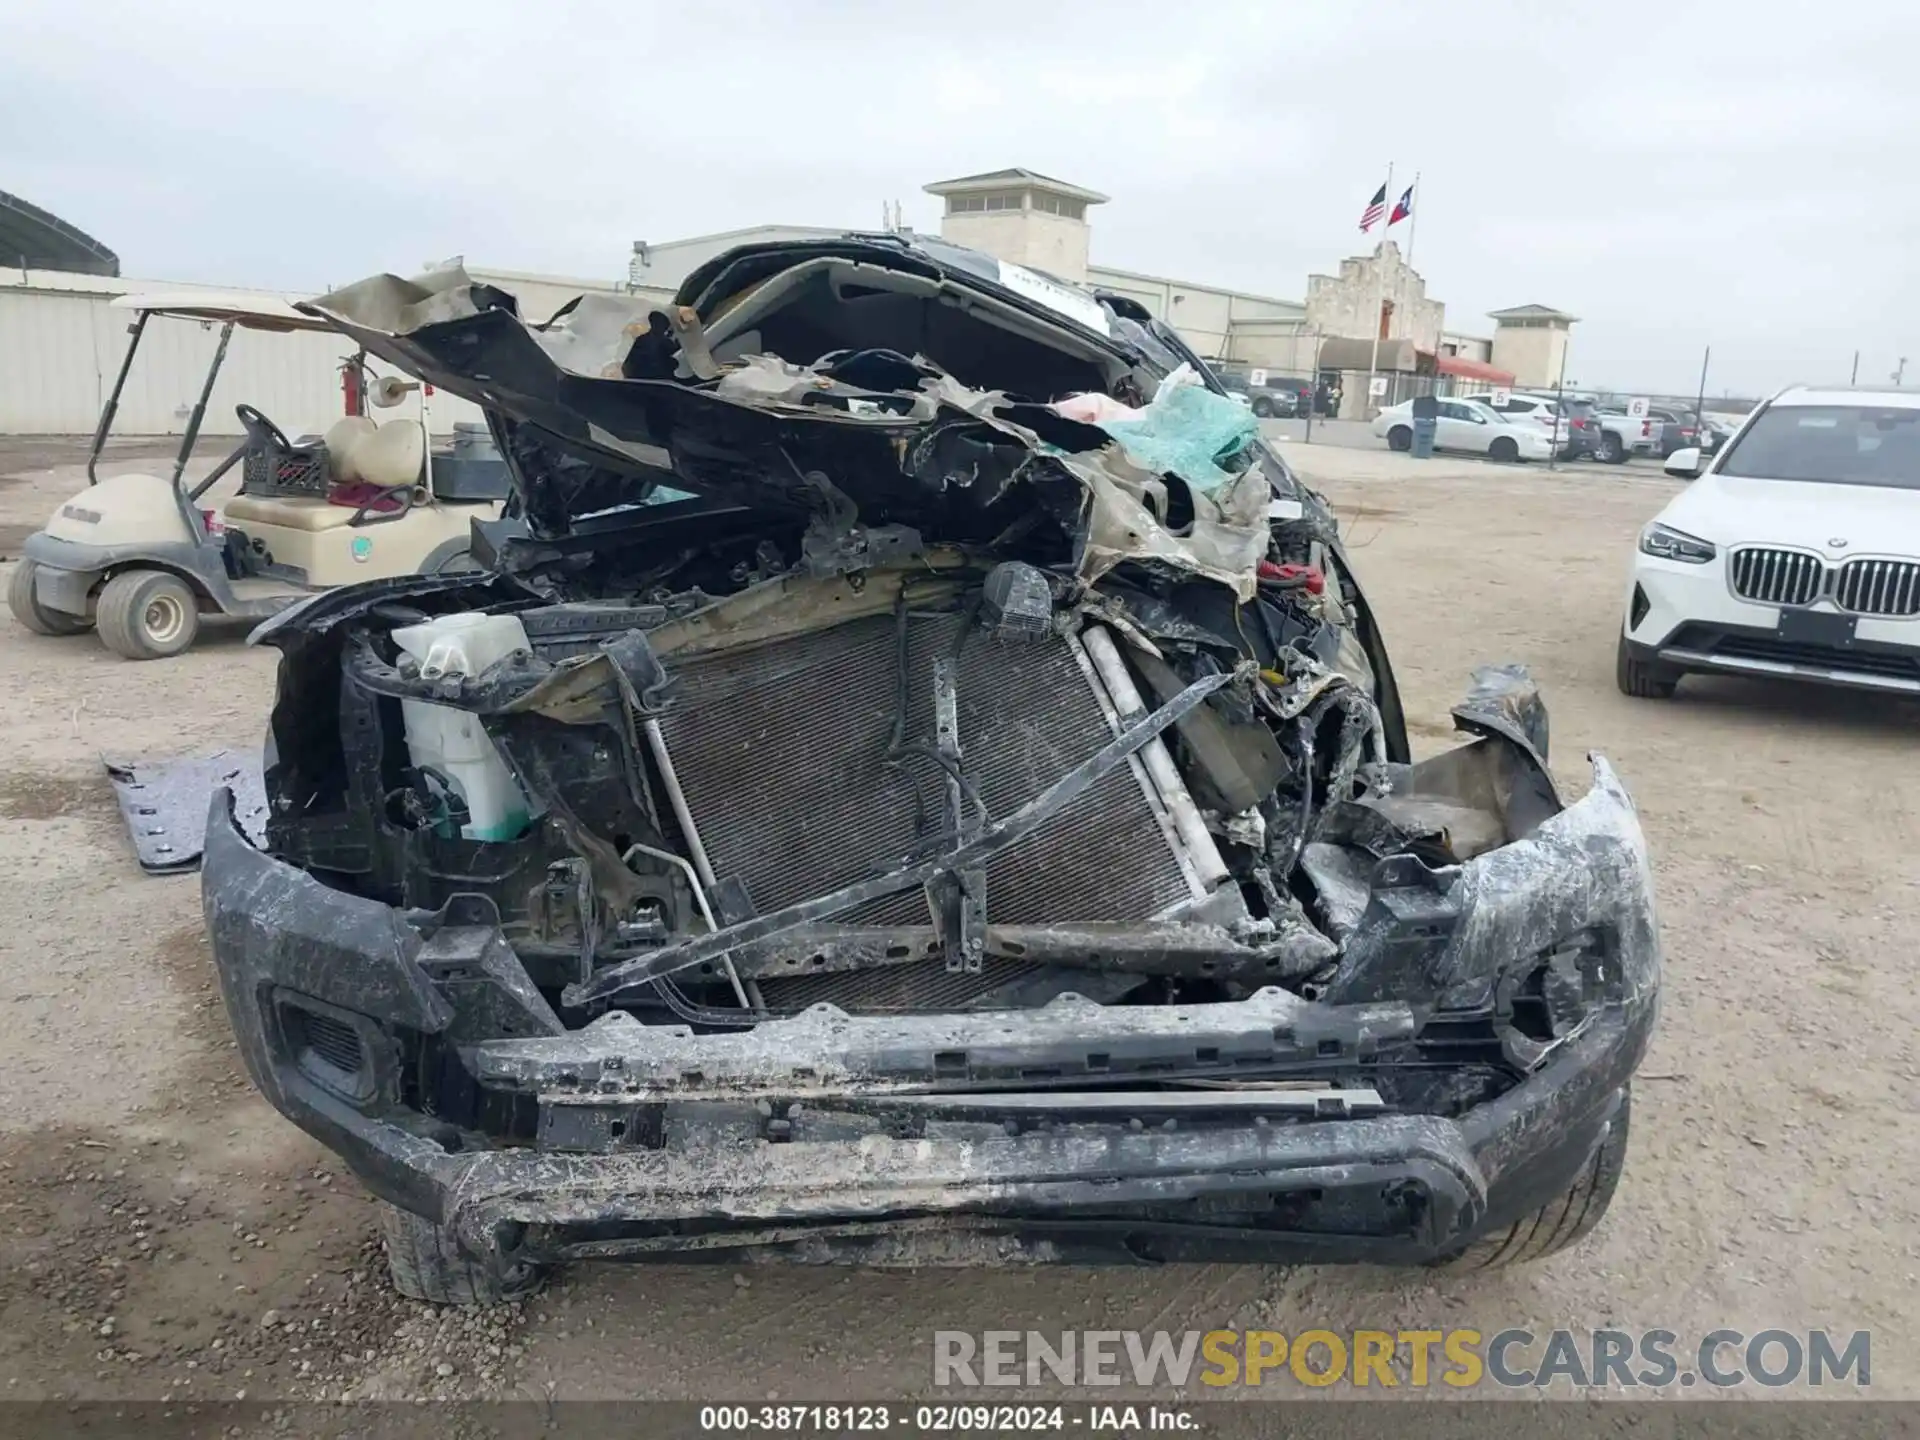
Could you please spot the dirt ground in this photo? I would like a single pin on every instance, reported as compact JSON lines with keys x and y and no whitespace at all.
{"x":164,"y":1234}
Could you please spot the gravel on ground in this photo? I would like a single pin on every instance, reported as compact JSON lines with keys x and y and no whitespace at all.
{"x":164,"y":1234}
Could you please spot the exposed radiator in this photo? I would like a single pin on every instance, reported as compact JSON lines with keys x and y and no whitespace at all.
{"x":780,"y":750}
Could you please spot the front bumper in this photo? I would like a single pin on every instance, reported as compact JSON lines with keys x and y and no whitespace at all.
{"x":1687,"y":617}
{"x":656,"y":1143}
{"x":67,"y":572}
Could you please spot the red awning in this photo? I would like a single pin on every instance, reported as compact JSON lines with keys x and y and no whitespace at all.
{"x":1471,"y":369}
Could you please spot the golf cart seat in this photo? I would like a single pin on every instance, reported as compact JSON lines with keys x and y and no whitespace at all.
{"x":360,"y":456}
{"x":345,"y":433}
{"x":289,"y":512}
{"x":386,"y":455}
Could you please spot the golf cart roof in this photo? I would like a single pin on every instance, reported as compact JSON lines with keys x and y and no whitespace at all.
{"x":250,"y":311}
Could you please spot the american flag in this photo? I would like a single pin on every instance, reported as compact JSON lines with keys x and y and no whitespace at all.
{"x":1376,"y":207}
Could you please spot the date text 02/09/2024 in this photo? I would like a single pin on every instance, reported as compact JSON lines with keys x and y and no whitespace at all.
{"x":942,"y":1419}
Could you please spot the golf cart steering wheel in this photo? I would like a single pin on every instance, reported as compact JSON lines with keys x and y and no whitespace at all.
{"x":259,"y":428}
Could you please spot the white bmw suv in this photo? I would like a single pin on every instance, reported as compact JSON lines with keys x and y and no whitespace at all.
{"x":1795,"y":552}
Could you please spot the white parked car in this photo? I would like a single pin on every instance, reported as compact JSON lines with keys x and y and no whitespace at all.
{"x":1462,"y":425}
{"x":1795,"y":552}
{"x":1525,"y":409}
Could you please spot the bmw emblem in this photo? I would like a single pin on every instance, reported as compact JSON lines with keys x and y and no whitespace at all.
{"x":1838,"y":542}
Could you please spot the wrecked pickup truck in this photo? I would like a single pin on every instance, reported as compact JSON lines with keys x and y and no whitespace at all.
{"x":920,"y":785}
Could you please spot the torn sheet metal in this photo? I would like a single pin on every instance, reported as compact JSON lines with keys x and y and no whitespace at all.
{"x":164,"y":804}
{"x":606,"y":377}
{"x":579,"y":690}
{"x":1225,"y":541}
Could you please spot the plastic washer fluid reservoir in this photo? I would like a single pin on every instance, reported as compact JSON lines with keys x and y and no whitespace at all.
{"x":454,"y":742}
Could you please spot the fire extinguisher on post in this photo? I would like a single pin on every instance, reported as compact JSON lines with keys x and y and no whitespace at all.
{"x":353,"y":383}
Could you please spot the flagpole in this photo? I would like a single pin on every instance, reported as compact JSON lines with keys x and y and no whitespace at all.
{"x":1380,"y":294}
{"x":1413,"y":225}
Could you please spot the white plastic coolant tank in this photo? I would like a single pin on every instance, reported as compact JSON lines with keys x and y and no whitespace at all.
{"x":454,"y":742}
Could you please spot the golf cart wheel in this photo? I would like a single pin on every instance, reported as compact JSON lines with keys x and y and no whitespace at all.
{"x":1505,"y":449}
{"x":1263,"y":407}
{"x":1400,"y":438}
{"x":427,"y":1262}
{"x":1641,"y":679}
{"x":1566,"y":1219}
{"x":147,"y":615}
{"x":31,"y":614}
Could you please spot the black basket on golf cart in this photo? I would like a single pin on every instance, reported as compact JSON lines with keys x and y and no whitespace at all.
{"x":292,"y":472}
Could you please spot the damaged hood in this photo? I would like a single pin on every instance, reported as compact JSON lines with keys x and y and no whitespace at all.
{"x":741,"y":391}
{"x":744,"y":265}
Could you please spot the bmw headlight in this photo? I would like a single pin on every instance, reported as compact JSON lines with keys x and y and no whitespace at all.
{"x":1671,"y":544}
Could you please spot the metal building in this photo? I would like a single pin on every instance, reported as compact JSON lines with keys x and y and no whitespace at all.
{"x":61,"y":343}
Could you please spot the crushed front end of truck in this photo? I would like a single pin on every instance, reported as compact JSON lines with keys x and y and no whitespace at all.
{"x":956,"y":810}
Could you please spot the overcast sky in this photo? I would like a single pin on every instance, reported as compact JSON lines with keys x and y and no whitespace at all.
{"x":1739,"y":174}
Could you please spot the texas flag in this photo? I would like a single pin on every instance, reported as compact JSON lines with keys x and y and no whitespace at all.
{"x":1401,"y":210}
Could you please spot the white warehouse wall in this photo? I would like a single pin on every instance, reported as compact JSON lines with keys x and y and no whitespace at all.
{"x":59,"y":354}
{"x":664,"y":266}
{"x":61,"y":344}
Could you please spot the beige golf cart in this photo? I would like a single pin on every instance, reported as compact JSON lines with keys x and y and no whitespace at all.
{"x":137,"y":557}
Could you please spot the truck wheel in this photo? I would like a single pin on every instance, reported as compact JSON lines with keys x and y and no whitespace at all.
{"x":427,"y":1262}
{"x":1564,"y":1220}
{"x":1641,"y":679}
{"x":31,"y":614}
{"x":1612,"y":450}
{"x":1399,"y":438}
{"x":1505,"y":449}
{"x":1263,"y":407}
{"x":147,"y":615}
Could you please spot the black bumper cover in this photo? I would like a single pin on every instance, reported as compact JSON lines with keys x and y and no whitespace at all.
{"x":1760,"y":651}
{"x":1392,"y":1189}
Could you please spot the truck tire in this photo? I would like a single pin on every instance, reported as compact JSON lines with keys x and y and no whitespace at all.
{"x":1262,"y":407}
{"x":147,"y":615}
{"x":1641,"y":679}
{"x":31,"y":614}
{"x":427,"y":1262}
{"x":1564,"y":1220}
{"x":1613,"y":450}
{"x":1400,"y":438}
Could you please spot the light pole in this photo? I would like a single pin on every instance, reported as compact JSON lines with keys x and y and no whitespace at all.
{"x":1313,"y":383}
{"x":1700,"y":405}
{"x":1559,"y":412}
